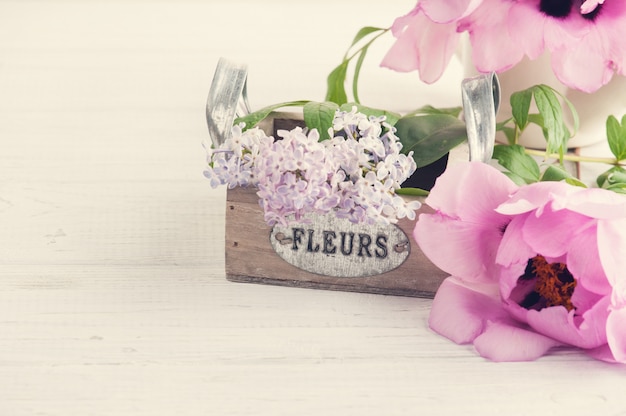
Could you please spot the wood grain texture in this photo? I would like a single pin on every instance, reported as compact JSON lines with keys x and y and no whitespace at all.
{"x":251,"y":258}
{"x":113,"y":294}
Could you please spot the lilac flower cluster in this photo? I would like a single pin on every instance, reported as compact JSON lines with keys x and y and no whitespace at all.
{"x":355,"y":174}
{"x":233,"y":162}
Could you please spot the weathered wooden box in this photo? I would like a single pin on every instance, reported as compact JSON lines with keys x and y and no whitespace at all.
{"x":251,"y":257}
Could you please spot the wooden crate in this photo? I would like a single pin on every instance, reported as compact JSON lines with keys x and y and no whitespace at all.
{"x":251,"y":258}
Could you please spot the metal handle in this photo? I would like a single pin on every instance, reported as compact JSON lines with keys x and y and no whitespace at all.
{"x":481,"y":100}
{"x":228,"y":98}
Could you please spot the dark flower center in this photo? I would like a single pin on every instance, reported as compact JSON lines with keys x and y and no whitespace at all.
{"x":556,"y":8}
{"x":553,"y":285}
{"x":560,"y":9}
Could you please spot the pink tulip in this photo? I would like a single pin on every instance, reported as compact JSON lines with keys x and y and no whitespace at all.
{"x":556,"y":276}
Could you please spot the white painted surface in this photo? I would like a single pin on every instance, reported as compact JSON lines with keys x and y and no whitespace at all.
{"x":113,"y":299}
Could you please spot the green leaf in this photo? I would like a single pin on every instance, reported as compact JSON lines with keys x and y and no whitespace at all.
{"x":556,"y":173}
{"x":620,"y":188}
{"x":509,"y":133}
{"x":428,"y":109}
{"x":320,"y":116}
{"x":575,"y":182}
{"x":357,"y":71}
{"x":616,"y":135}
{"x":520,"y":107}
{"x":430,"y":137}
{"x":253,"y":119}
{"x":612,"y":178}
{"x":336,"y":91}
{"x":363,"y":32}
{"x":412,"y":191}
{"x":515,"y":159}
{"x":391,"y":117}
{"x":550,"y":109}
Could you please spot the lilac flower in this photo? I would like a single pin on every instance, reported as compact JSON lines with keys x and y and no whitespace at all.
{"x":231,"y":164}
{"x":355,"y":173}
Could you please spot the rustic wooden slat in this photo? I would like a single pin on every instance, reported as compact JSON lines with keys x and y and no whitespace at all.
{"x":251,"y":258}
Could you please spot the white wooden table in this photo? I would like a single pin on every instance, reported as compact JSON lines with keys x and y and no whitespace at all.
{"x":113,"y":299}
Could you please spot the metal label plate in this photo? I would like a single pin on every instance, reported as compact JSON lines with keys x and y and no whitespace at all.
{"x":331,"y":246}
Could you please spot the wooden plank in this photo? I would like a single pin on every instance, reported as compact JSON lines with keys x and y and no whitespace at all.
{"x":251,"y":258}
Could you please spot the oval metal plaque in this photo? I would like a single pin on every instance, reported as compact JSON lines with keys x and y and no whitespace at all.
{"x":331,"y":246}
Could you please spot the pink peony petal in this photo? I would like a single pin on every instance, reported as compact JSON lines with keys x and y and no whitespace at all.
{"x":535,"y":196}
{"x":616,"y":334}
{"x":501,"y":342}
{"x":521,"y":17}
{"x":583,"y":261}
{"x":602,"y":353}
{"x":421,"y":45}
{"x":611,"y":243}
{"x":459,"y":312}
{"x":489,"y":36}
{"x":458,"y":247}
{"x":513,"y":248}
{"x":449,"y":10}
{"x":597,"y":203}
{"x":550,"y":233}
{"x":556,"y":322}
{"x":582,"y":68}
{"x":471,"y":191}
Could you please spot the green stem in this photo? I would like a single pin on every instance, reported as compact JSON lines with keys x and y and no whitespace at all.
{"x":346,"y":58}
{"x":576,"y":158}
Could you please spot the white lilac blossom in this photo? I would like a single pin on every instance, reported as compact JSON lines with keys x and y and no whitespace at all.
{"x":374,"y":168}
{"x":232,"y":162}
{"x":354,"y":174}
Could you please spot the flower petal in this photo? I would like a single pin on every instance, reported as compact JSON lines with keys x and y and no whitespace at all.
{"x":581,"y":68}
{"x":421,"y":45}
{"x":471,"y":191}
{"x":503,"y":342}
{"x":611,"y":243}
{"x":597,"y":203}
{"x":583,"y":261}
{"x":449,"y":10}
{"x":535,"y":196}
{"x":513,"y":248}
{"x":549,"y":234}
{"x":489,"y":36}
{"x":616,"y":335}
{"x":459,"y":312}
{"x":459,"y":248}
{"x":560,"y":324}
{"x":602,"y":353}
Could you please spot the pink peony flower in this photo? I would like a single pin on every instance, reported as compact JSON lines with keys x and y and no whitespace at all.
{"x":584,"y":38}
{"x":557,"y":273}
{"x":463,"y":236}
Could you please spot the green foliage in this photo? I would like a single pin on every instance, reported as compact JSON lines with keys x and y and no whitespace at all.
{"x":430,"y":136}
{"x":616,"y":136}
{"x":320,"y":116}
{"x":557,"y":173}
{"x":521,"y":167}
{"x":429,"y":109}
{"x":336,"y":89}
{"x":255,"y":118}
{"x":613,"y":179}
{"x":550,"y":117}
